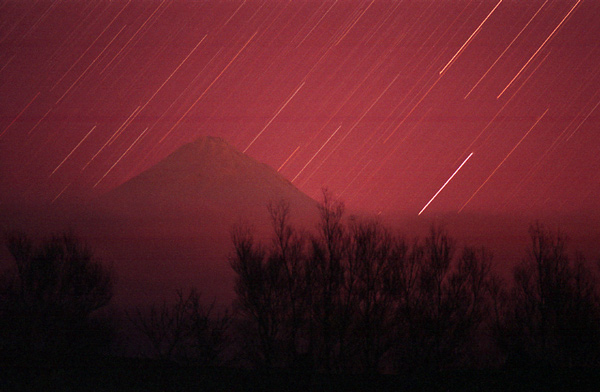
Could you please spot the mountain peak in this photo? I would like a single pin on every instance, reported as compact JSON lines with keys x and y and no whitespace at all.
{"x":177,"y":215}
{"x":201,"y":148}
{"x":210,"y":142}
{"x":211,"y":139}
{"x":206,"y":174}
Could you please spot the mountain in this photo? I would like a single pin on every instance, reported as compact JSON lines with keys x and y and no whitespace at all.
{"x":169,"y":227}
{"x":206,"y":175}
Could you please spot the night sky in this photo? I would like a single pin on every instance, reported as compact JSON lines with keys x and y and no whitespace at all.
{"x":490,"y":106}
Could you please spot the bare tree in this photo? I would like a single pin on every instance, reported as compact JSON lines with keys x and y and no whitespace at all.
{"x":326,"y":274}
{"x":440,"y":301}
{"x":467,"y":304}
{"x":185,"y":330}
{"x":554,"y":309}
{"x":288,"y":252}
{"x":258,"y":279}
{"x":356,"y":297}
{"x":164,"y":326}
{"x":371,"y":250}
{"x":433,"y":313}
{"x":49,"y":296}
{"x":402,"y":282}
{"x":60,"y":271}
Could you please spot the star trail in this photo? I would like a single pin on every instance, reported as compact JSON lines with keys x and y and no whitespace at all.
{"x":380,"y":101}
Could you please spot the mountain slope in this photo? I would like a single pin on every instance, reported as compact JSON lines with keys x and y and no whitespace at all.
{"x":169,"y":227}
{"x":207,"y":174}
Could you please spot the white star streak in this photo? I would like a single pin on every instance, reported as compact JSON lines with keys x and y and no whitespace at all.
{"x":89,"y":66}
{"x":584,"y":120}
{"x":121,"y":157}
{"x":208,"y":88}
{"x":412,"y":110}
{"x":276,"y":114}
{"x":540,"y":48}
{"x":19,"y":115}
{"x":90,"y":47}
{"x":8,"y":62}
{"x":60,"y":193}
{"x":355,"y":177}
{"x":385,"y":158}
{"x":40,"y":19}
{"x":506,"y":49}
{"x":505,"y":104}
{"x":39,"y":121}
{"x":354,"y":23}
{"x":446,"y":183}
{"x":172,"y":73}
{"x":232,"y":15}
{"x":125,"y":124}
{"x":131,"y":39}
{"x":290,"y":157}
{"x":504,"y":160}
{"x":316,"y":24}
{"x":351,"y":128}
{"x":114,"y":135}
{"x":318,"y":151}
{"x":72,"y":151}
{"x":559,"y":139}
{"x":78,"y":31}
{"x":469,"y":40}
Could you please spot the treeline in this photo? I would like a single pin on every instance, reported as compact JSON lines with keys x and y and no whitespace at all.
{"x":52,"y":297}
{"x":355,"y":297}
{"x":49,"y":299}
{"x":352,"y":296}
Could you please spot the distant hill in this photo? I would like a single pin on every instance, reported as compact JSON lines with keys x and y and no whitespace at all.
{"x":206,"y":175}
{"x":169,"y":227}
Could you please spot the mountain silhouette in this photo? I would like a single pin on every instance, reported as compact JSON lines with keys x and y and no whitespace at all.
{"x":203,"y":176}
{"x":169,"y":226}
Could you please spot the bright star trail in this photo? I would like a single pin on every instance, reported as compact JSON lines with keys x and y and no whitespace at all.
{"x":506,"y":49}
{"x":446,"y":183}
{"x":376,"y":100}
{"x":273,"y":118}
{"x":71,"y":153}
{"x":502,"y":162}
{"x":469,"y":39}
{"x":538,"y":49}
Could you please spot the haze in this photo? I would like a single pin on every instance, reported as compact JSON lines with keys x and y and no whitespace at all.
{"x":483,"y":114}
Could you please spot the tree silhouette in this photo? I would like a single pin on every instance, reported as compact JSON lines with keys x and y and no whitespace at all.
{"x":435,"y":293}
{"x":48,"y":297}
{"x":440,"y":300}
{"x":371,"y":250}
{"x":329,"y":295}
{"x":185,"y":331}
{"x":357,"y":296}
{"x":553,"y":312}
{"x":352,"y":297}
{"x":287,"y":252}
{"x":257,"y":287}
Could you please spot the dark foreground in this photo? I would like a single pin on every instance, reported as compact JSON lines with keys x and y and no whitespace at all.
{"x":123,"y":374}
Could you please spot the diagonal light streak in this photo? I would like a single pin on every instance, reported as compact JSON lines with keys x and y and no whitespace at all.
{"x":121,"y":157}
{"x":540,"y":48}
{"x":505,"y":50}
{"x":318,"y":151}
{"x":273,"y":118}
{"x":206,"y":89}
{"x":72,"y":151}
{"x":505,"y":158}
{"x":469,"y":40}
{"x":446,"y":183}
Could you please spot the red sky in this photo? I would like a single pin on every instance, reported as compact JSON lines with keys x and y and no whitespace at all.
{"x":381,"y":101}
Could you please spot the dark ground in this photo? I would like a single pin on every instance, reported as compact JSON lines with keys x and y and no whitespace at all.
{"x":124,"y":374}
